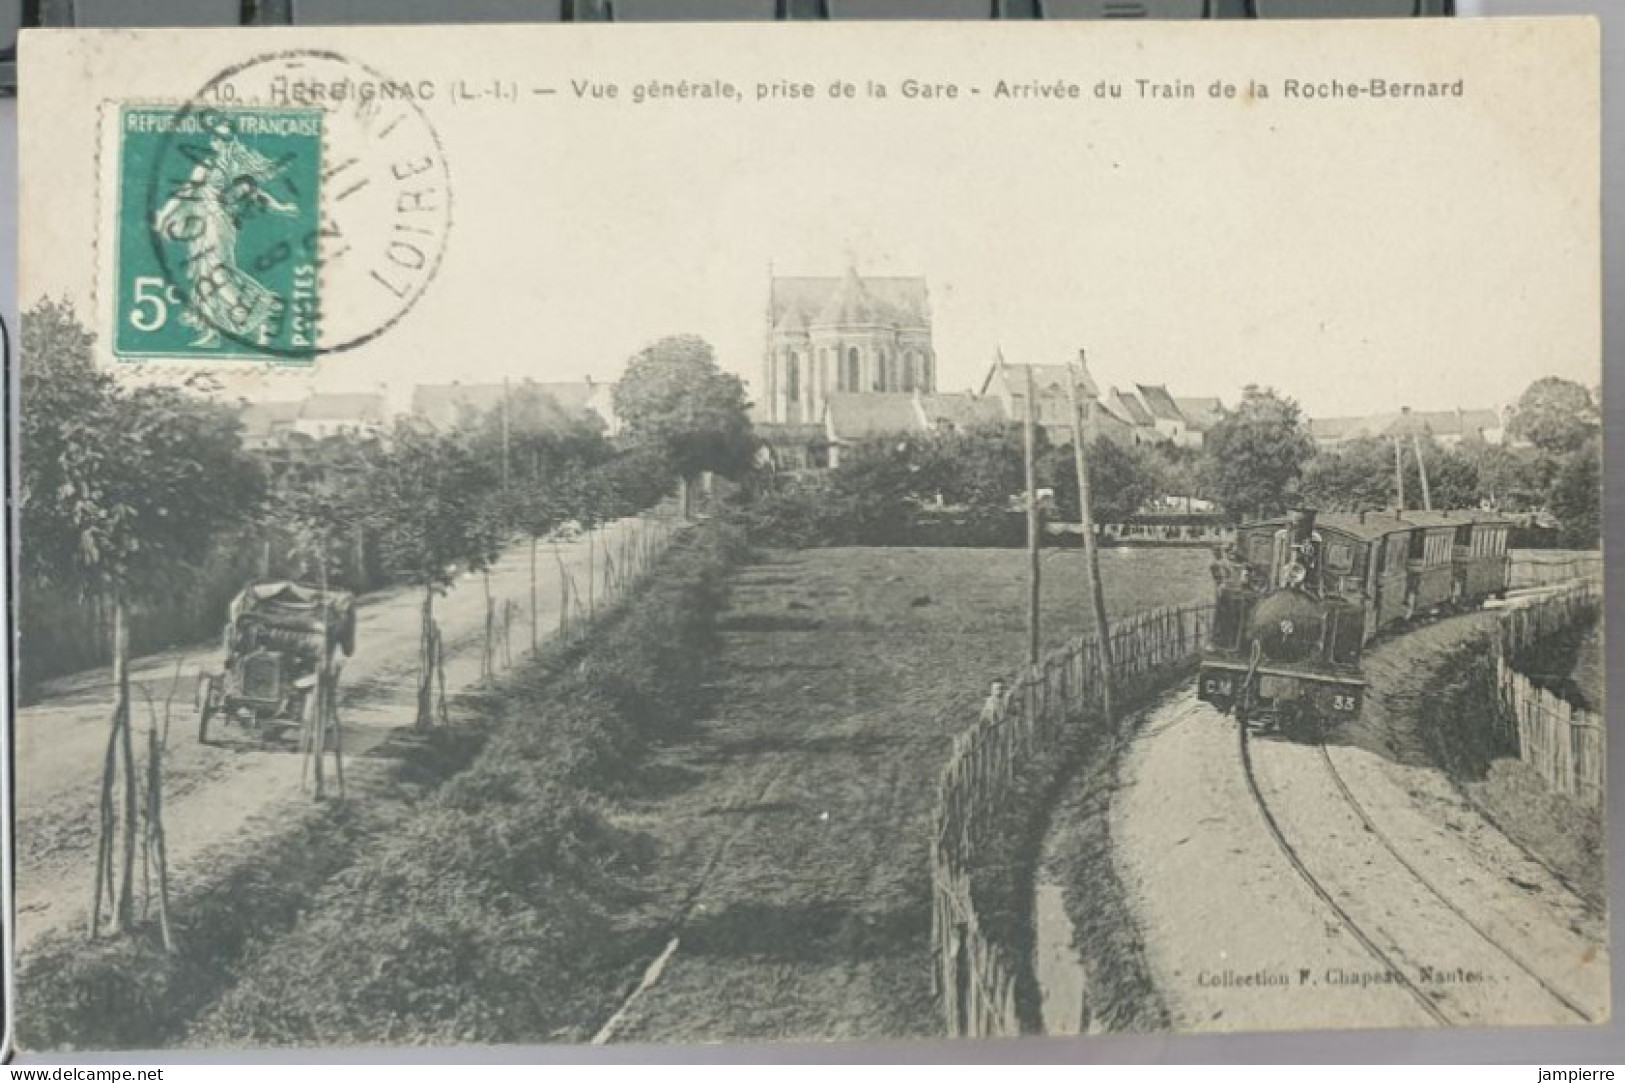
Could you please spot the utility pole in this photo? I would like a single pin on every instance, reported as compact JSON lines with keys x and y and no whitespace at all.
{"x":1427,"y":496}
{"x":1032,"y":524}
{"x":1091,"y":554}
{"x":1399,"y":472}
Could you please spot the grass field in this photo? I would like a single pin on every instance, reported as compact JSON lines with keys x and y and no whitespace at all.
{"x":792,"y":827}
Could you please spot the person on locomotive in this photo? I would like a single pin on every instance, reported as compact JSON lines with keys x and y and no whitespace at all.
{"x":1298,"y":546}
{"x":1230,"y":568}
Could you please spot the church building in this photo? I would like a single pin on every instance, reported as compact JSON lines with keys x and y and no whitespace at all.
{"x":844,"y":335}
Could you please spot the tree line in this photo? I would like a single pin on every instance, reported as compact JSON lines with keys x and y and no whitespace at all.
{"x":1256,"y":461}
{"x":128,"y":489}
{"x":1260,"y":459}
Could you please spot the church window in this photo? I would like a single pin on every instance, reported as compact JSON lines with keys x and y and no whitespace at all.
{"x":908,"y":371}
{"x":883,"y":373}
{"x":792,"y":381}
{"x":854,"y":376}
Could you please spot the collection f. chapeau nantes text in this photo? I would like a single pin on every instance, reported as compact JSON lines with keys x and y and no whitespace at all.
{"x":293,"y":91}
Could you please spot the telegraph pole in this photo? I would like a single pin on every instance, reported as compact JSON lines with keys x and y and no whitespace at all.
{"x":1032,"y":524}
{"x":1091,"y":554}
{"x":1427,"y":497}
{"x":1399,"y":472}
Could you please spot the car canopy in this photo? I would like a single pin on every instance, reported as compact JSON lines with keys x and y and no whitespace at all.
{"x":291,"y":605}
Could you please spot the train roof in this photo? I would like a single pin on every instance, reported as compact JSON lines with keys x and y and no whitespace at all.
{"x":1369,"y":525}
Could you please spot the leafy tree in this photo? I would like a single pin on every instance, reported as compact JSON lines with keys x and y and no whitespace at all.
{"x":1122,"y":480}
{"x":1555,"y":415}
{"x":427,"y":496}
{"x":1180,"y":471}
{"x":1507,"y":476}
{"x":632,"y":480}
{"x":1452,"y":477}
{"x":979,"y":469}
{"x":1355,"y":476}
{"x":1253,"y":458}
{"x":120,"y":491}
{"x":1359,"y":475}
{"x":540,"y":451}
{"x":871,"y":497}
{"x":674,"y":397}
{"x":1576,"y":497}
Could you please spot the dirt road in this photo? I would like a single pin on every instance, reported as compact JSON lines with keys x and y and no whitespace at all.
{"x":218,"y":796}
{"x":1283,"y":884}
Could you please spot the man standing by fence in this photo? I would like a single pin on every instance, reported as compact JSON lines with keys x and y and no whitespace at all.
{"x":993,"y":706}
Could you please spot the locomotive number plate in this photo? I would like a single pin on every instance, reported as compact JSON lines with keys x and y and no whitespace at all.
{"x":1278,"y":687}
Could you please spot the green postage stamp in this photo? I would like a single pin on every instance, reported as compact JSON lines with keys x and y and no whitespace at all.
{"x":217,"y":230}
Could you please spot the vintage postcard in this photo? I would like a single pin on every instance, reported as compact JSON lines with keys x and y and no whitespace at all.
{"x":603,"y":534}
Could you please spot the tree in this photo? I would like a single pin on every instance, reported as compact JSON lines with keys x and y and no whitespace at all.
{"x":979,"y":469}
{"x":120,"y":491}
{"x":1555,"y":415}
{"x":1576,"y":497}
{"x":1507,"y":477}
{"x":1355,"y":476}
{"x":1121,"y":480}
{"x":1180,"y":471}
{"x":871,"y":497}
{"x":318,"y":518}
{"x":426,"y":497}
{"x":1359,"y":475}
{"x":1453,"y":480}
{"x":674,"y":397}
{"x":1253,"y":458}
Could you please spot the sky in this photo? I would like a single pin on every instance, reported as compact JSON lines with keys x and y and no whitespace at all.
{"x":1359,"y":257}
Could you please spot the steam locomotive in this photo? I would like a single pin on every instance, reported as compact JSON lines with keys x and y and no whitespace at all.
{"x":1299,"y":598}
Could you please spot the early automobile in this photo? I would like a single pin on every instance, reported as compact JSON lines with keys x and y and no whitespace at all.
{"x":277,"y":638}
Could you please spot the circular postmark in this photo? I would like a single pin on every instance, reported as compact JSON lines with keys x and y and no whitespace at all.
{"x":299,"y":204}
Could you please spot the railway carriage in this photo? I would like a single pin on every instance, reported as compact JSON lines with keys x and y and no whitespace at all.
{"x":1298,"y":598}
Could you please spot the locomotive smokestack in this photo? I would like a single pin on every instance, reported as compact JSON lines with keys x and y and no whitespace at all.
{"x":1301,"y":521}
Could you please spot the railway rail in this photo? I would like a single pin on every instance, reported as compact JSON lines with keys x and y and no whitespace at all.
{"x":1400,"y":942}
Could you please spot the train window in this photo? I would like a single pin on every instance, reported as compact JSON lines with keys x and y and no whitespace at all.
{"x":1260,"y":549}
{"x":1339,"y":556}
{"x":1464,"y":535}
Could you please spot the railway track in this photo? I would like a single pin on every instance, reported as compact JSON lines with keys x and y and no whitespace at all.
{"x":1411,"y":919}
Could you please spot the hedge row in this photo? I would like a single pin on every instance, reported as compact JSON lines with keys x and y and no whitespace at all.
{"x":493,"y":916}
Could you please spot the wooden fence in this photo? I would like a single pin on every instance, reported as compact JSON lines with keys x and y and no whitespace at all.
{"x":975,"y":977}
{"x":615,"y":568}
{"x":1561,"y":742}
{"x":1545,"y":567}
